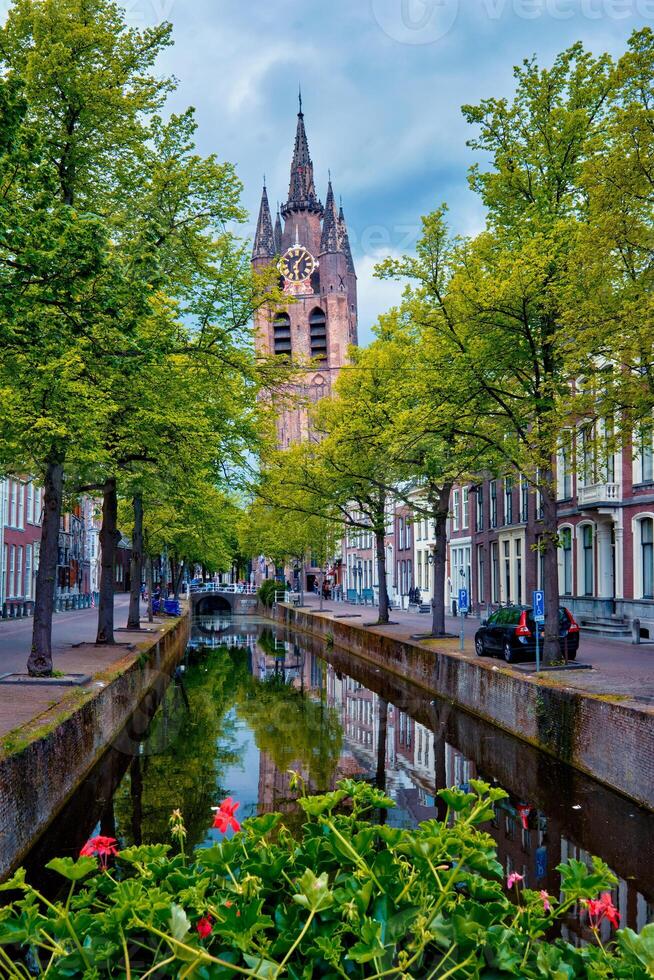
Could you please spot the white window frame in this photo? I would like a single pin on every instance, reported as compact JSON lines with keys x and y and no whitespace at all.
{"x":636,"y":531}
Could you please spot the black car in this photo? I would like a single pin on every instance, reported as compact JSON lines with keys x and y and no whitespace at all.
{"x":511,"y":633}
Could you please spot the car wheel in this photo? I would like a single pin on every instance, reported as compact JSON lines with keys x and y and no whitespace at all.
{"x":509,"y":653}
{"x":480,"y":649}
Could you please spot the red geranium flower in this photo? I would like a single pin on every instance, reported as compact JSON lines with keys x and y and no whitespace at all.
{"x":602,"y":908}
{"x":205,"y":926}
{"x":102,"y":847}
{"x":225,"y":816}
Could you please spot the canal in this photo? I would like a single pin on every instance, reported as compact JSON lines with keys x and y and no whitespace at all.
{"x":251,"y":702}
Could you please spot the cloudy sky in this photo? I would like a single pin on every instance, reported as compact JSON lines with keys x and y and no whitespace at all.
{"x":382,"y":82}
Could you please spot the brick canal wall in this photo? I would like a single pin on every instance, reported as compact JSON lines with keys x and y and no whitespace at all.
{"x":607,"y":739}
{"x":37,"y":780}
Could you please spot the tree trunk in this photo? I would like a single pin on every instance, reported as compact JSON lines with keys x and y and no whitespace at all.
{"x":551,"y":647}
{"x":109,"y":538}
{"x":149,"y":585}
{"x":40,"y":659}
{"x":380,"y":543}
{"x":134,"y":618}
{"x":441,"y":507}
{"x":178,"y":579}
{"x":172,"y":565}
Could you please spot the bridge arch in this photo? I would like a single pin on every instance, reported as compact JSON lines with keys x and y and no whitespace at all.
{"x":206,"y":605}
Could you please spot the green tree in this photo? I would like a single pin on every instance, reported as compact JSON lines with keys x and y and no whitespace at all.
{"x":504,"y":307}
{"x":85,"y":86}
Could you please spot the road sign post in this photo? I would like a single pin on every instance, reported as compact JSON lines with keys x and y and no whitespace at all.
{"x":539,"y":617}
{"x":463,"y":609}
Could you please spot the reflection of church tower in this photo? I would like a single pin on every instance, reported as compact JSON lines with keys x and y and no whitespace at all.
{"x":318,"y":272}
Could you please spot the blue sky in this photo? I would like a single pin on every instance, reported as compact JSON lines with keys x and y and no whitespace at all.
{"x":383,"y":82}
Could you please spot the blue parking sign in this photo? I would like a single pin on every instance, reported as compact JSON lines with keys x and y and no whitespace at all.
{"x":539,"y":606}
{"x":463,"y":600}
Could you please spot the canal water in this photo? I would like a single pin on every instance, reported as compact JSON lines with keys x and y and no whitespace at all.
{"x":251,"y":702}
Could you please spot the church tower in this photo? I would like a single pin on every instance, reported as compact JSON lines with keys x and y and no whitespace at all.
{"x":310,"y":242}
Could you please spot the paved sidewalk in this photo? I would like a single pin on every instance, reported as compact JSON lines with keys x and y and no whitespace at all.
{"x":620,"y":667}
{"x":74,"y":651}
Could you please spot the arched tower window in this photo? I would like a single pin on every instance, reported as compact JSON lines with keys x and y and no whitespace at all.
{"x":318,"y":332}
{"x":282,"y":334}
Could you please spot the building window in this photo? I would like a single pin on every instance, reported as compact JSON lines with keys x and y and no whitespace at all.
{"x":645,"y":451}
{"x":480,"y":573}
{"x":28,"y":571}
{"x":19,"y":570}
{"x":587,"y":563}
{"x":647,"y":556}
{"x":455,"y":510}
{"x":13,"y":504}
{"x":495,"y":572}
{"x":493,"y":502}
{"x":318,"y":332}
{"x":21,"y":506}
{"x":539,"y":498}
{"x":524,"y":500}
{"x":464,"y":508}
{"x":564,"y":468}
{"x":566,"y":545}
{"x":507,"y":571}
{"x":508,"y":500}
{"x":518,"y":569}
{"x":282,"y":334}
{"x":11,"y":587}
{"x":480,"y":508}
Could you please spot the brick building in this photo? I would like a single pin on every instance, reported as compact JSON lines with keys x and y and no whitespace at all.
{"x":20,"y":536}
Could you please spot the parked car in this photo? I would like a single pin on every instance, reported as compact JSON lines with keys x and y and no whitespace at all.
{"x":511,"y":633}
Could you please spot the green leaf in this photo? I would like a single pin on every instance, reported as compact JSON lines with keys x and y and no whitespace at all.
{"x":73,"y":870}
{"x":314,"y":892}
{"x":577,"y":881}
{"x":370,"y":945}
{"x":638,"y":948}
{"x":17,"y":881}
{"x":456,"y":799}
{"x":179,"y":923}
{"x":261,"y":826}
{"x":263,"y":969}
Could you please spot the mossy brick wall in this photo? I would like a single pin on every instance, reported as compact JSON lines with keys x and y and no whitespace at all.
{"x":37,"y":780}
{"x":613,"y":742}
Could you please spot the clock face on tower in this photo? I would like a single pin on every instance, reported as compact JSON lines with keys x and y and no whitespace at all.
{"x":297,"y":264}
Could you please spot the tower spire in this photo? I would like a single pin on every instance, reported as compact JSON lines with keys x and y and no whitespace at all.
{"x":278,"y":232}
{"x":302,"y":190}
{"x":264,"y":239}
{"x":344,"y":239}
{"x":329,"y":241}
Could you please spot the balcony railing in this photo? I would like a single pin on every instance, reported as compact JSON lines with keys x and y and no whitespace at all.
{"x":597,"y":494}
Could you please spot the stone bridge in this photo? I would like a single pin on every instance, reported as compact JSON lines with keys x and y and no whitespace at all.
{"x":226,"y":599}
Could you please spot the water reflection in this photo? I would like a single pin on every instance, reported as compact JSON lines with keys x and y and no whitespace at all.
{"x":252,"y":702}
